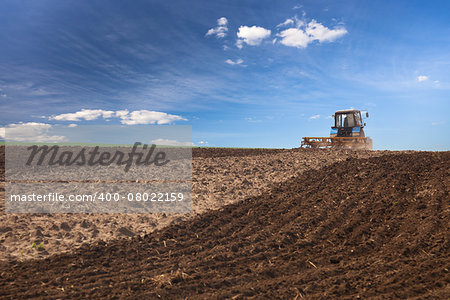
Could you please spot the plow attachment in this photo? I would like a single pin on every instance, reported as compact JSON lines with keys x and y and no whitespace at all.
{"x":356,"y":143}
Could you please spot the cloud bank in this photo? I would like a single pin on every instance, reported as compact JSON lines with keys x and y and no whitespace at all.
{"x":84,"y":114}
{"x":304,"y":34}
{"x":293,"y":32}
{"x":126,"y":117}
{"x":29,"y":132}
{"x":149,"y":117}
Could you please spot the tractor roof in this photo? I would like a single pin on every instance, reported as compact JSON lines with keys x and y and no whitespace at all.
{"x":346,"y":111}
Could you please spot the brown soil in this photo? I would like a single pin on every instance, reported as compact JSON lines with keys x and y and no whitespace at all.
{"x":370,"y":227}
{"x":220,"y":176}
{"x":235,"y":152}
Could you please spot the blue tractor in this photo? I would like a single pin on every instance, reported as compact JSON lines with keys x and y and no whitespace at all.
{"x":347,"y":133}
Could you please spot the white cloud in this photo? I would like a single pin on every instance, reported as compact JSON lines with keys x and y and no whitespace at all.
{"x":202,"y":143}
{"x":167,"y":142}
{"x":323,"y":34}
{"x":286,"y":23}
{"x":72,"y":125}
{"x":297,"y":6}
{"x":303,"y":34}
{"x":236,"y":62}
{"x":252,"y":36}
{"x":126,"y":117}
{"x":222,"y":21}
{"x":314,"y":117}
{"x":86,"y":114}
{"x":220,"y":30}
{"x":121,"y":113}
{"x":29,"y":132}
{"x":421,"y":78}
{"x":294,"y":37}
{"x":149,"y":117}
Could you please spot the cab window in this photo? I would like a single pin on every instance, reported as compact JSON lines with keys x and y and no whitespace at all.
{"x":348,"y":120}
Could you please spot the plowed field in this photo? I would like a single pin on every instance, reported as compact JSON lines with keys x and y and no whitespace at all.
{"x":323,"y":225}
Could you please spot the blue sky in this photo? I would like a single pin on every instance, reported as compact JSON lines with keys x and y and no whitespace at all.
{"x":239,"y":72}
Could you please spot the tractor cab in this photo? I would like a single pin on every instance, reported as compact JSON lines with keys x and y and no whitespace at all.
{"x":348,"y":123}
